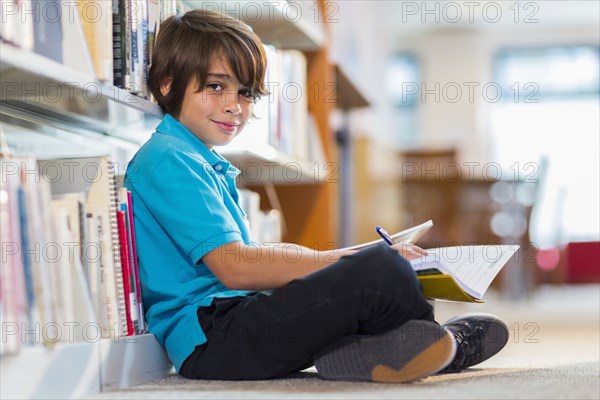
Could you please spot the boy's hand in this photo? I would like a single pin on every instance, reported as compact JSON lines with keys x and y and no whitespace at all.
{"x":409,"y":250}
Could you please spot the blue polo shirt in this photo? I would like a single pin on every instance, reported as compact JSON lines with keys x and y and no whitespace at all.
{"x":185,"y":204}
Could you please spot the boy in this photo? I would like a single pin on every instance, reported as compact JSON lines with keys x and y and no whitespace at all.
{"x":226,"y":308}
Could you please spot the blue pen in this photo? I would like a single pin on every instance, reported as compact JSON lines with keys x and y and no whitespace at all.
{"x":385,"y":236}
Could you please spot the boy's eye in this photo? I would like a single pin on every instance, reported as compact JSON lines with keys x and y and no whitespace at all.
{"x":247,"y":94}
{"x":217,"y":87}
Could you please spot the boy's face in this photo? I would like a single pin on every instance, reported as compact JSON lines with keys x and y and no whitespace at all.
{"x":220,"y":110}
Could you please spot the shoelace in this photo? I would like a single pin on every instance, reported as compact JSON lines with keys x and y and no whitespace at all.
{"x":471,"y":343}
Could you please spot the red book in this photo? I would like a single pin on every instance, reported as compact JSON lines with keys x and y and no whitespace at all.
{"x":126,"y":268}
{"x":136,"y":270}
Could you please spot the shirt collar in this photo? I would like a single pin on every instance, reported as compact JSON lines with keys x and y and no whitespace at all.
{"x":170,"y":126}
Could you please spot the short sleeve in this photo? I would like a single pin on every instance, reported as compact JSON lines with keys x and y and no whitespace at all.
{"x":190,"y":202}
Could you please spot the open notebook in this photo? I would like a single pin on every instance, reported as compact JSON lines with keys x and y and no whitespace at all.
{"x":461,"y":273}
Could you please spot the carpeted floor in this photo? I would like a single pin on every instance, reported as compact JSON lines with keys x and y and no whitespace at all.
{"x":575,"y":381}
{"x":553,"y":353}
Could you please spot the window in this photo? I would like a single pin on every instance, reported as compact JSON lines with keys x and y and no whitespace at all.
{"x":556,"y":73}
{"x":552,"y":113}
{"x":403,"y":83}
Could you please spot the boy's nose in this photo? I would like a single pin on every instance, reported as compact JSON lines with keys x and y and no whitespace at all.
{"x":231,"y":104}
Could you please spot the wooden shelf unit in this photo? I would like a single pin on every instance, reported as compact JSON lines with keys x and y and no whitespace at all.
{"x":311,"y":211}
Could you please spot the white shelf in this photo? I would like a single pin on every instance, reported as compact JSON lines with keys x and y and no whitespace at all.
{"x":74,"y":370}
{"x":63,"y":371}
{"x":283,"y":24}
{"x":60,"y":95}
{"x":262,"y":163}
{"x":132,"y":361}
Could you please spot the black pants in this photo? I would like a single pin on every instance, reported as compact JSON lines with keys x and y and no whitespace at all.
{"x":271,"y":334}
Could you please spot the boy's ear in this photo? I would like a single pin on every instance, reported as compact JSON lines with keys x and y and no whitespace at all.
{"x":165,"y":86}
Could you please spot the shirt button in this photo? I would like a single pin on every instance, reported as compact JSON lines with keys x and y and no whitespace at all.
{"x":218,"y":167}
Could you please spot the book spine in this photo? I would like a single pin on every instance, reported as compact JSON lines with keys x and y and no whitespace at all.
{"x":116,"y":248}
{"x":106,"y":22}
{"x":125,"y":15}
{"x":26,"y":260}
{"x":12,"y":263}
{"x":136,"y":270}
{"x":47,"y":33}
{"x":272,"y":81}
{"x":143,"y":47}
{"x":134,"y":291}
{"x":127,"y":259}
{"x":61,"y":271}
{"x":134,"y":46}
{"x":93,"y":257}
{"x":16,"y":29}
{"x":39,"y":232}
{"x":97,"y":30}
{"x":153,"y":25}
{"x":125,"y":268}
{"x":118,"y":48}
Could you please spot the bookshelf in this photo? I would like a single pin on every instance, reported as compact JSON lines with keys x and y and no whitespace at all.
{"x":89,"y":117}
{"x":92,"y":118}
{"x":285,"y":24}
{"x":37,"y":88}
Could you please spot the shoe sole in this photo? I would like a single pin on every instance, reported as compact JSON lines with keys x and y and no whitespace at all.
{"x":413,"y":351}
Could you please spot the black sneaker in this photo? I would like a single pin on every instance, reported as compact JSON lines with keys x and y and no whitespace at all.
{"x":478,"y":337}
{"x":413,"y":351}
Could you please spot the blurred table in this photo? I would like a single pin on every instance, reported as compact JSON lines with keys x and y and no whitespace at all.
{"x":469,"y":210}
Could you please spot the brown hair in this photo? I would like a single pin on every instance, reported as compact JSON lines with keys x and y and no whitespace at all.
{"x":185,"y":46}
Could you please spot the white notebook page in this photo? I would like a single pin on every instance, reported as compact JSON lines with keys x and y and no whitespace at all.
{"x":473,"y":267}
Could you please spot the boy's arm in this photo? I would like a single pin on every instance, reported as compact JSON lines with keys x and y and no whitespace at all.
{"x":252,"y":267}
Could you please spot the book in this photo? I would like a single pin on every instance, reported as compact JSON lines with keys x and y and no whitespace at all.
{"x":136,"y":270}
{"x":97,"y":23}
{"x":127,"y":262}
{"x":130,"y":307}
{"x":68,"y":278}
{"x":13,"y":306}
{"x":461,"y":273}
{"x":48,"y":32}
{"x":35,"y":223}
{"x":293,"y":103}
{"x":118,"y":43}
{"x":16,"y":27}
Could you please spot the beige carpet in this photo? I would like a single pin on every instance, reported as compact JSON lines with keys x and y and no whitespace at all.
{"x":576,"y":381}
{"x":553,"y":353}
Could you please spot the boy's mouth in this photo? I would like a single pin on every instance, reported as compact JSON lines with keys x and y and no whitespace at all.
{"x":227,"y":127}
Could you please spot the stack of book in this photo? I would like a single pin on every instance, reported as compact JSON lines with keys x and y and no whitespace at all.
{"x":111,"y":40}
{"x":70,"y":271}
